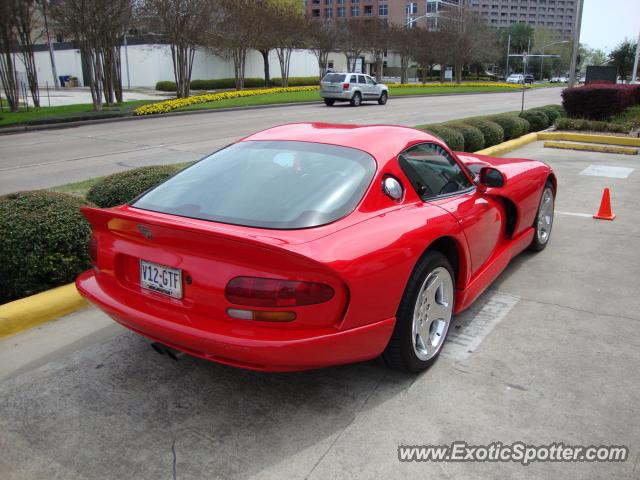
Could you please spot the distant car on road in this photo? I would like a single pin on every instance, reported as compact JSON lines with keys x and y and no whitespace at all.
{"x":528,"y":78}
{"x":558,"y":80}
{"x":516,"y":78}
{"x":353,"y":88}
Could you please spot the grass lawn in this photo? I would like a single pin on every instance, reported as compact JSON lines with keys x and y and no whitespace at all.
{"x":79,"y":111}
{"x":295,"y":97}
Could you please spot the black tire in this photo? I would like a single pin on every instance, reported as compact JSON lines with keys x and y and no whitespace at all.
{"x":356,"y":100}
{"x":400,"y":353}
{"x":384,"y":96}
{"x":329,"y":102}
{"x":539,"y":241}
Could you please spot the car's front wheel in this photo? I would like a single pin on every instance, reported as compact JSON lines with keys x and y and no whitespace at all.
{"x":424,"y":315}
{"x":329,"y":102}
{"x":384,"y":96}
{"x":544,"y":219}
{"x":356,"y":100}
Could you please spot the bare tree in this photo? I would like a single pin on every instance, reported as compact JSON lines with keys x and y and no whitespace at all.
{"x":322,"y":39}
{"x":287,"y":25}
{"x":97,"y":26}
{"x":24,"y":24}
{"x":429,"y":51}
{"x":353,"y":40}
{"x":403,"y":43}
{"x":185,"y":25}
{"x":378,"y":40}
{"x":8,"y":44}
{"x":468,"y":37}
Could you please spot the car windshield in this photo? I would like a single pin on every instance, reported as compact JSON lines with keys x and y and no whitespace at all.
{"x":334,"y":78}
{"x":267,"y":184}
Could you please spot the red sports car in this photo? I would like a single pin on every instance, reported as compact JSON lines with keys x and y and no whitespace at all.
{"x":309,"y":245}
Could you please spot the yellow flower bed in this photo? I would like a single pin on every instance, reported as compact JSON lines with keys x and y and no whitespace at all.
{"x":169,"y":105}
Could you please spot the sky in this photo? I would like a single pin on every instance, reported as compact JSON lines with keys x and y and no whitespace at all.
{"x":606,"y":23}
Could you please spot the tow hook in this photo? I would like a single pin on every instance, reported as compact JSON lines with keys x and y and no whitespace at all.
{"x":164,"y":350}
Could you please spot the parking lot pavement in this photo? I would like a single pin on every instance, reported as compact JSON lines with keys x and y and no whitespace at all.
{"x":549,"y":354}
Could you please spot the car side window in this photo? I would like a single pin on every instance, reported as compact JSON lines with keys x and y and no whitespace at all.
{"x":432,"y":171}
{"x":361,"y":79}
{"x":354,"y":79}
{"x":370,"y":81}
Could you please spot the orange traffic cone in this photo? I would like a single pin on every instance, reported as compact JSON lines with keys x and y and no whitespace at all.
{"x":605,"y":213}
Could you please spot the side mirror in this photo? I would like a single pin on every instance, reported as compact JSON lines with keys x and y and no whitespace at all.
{"x":491,"y":177}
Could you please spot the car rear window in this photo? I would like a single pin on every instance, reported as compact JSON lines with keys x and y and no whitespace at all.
{"x":267,"y":184}
{"x":334,"y":78}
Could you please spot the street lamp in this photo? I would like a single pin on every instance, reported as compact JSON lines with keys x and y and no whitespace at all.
{"x":542,"y":58}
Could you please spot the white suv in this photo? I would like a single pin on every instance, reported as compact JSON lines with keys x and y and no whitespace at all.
{"x":352,"y":87}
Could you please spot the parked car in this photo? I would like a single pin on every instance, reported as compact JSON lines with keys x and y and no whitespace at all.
{"x":309,"y":245}
{"x":515,"y":78}
{"x":352,"y":87}
{"x":558,"y":80}
{"x":528,"y":78}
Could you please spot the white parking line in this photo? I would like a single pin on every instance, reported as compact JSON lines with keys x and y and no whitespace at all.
{"x":606,"y":171}
{"x":470,"y":328}
{"x":574,"y":214}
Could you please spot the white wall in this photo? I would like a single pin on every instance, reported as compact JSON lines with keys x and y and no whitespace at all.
{"x":149,"y":64}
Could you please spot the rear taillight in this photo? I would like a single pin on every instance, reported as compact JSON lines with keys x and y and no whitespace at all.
{"x":93,"y":250}
{"x":345,"y":86}
{"x":271,"y":292}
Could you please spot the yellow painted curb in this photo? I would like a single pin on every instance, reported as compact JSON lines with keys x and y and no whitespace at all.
{"x":509,"y":146}
{"x":591,"y":148}
{"x":39,"y":308}
{"x":590,"y":138}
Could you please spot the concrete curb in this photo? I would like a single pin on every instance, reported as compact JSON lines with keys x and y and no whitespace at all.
{"x":590,"y":138}
{"x":42,"y":307}
{"x":81,"y":123}
{"x":585,"y":147}
{"x":509,"y":146}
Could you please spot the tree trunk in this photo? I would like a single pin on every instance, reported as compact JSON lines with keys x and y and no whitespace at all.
{"x":182,"y":57}
{"x":239,"y":61}
{"x":9,"y":80}
{"x":404,"y":67}
{"x":459,"y":68}
{"x":323,"y":57}
{"x":265,"y":61}
{"x":117,"y":74}
{"x":25,"y":45}
{"x":284,"y":58}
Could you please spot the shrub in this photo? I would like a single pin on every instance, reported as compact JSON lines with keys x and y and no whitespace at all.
{"x":43,"y":242}
{"x":599,"y":102}
{"x":591,"y":125}
{"x":123,"y":187}
{"x":522,"y":127}
{"x":473,"y":138}
{"x":509,"y":124}
{"x":296,"y":81}
{"x":550,"y":111}
{"x":225,"y":83}
{"x":166,"y":86}
{"x":537,"y":119}
{"x":492,"y":132}
{"x":453,"y":138}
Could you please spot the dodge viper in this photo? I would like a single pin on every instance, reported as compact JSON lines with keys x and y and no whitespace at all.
{"x":310,"y":245}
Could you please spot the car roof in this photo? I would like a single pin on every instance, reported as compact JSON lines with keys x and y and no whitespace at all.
{"x":383,"y":142}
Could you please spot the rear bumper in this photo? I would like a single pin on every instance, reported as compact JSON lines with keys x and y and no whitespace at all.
{"x":346,"y":95}
{"x":237,"y":344}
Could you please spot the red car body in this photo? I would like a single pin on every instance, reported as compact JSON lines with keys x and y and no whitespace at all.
{"x":366,"y":257}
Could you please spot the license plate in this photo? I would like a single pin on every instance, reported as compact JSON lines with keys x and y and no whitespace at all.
{"x":160,"y":278}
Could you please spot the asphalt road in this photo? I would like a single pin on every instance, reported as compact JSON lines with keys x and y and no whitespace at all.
{"x":549,"y":354}
{"x":48,"y":158}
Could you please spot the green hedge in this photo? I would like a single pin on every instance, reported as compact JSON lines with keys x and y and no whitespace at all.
{"x":492,"y":132}
{"x":564,"y":123}
{"x":227,"y":83}
{"x":551,"y":111}
{"x":123,"y":187}
{"x":509,"y":124}
{"x":43,"y":242}
{"x":537,"y":119}
{"x":452,"y":137}
{"x":522,"y":126}
{"x":473,"y":137}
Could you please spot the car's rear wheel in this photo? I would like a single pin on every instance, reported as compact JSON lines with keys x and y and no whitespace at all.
{"x":329,"y":102}
{"x":356,"y":100}
{"x":544,"y":219}
{"x":424,"y":315}
{"x":384,"y":96}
